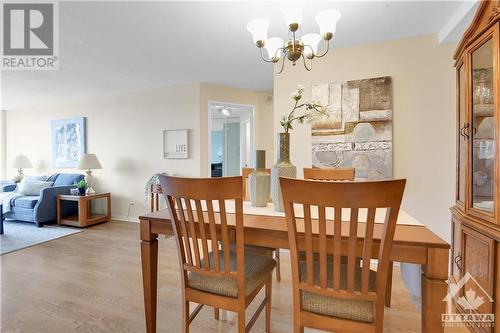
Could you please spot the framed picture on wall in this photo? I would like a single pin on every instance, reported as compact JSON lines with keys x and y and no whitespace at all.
{"x":176,"y":144}
{"x":68,"y":142}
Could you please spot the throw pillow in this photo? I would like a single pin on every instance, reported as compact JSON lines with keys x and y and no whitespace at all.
{"x":33,"y":187}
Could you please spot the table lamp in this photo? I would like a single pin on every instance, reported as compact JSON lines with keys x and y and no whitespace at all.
{"x":20,"y":162}
{"x":89,"y":162}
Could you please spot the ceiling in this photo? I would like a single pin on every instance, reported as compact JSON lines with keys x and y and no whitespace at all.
{"x":115,"y":47}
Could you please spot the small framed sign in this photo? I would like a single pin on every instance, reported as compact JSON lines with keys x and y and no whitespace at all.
{"x":176,"y":144}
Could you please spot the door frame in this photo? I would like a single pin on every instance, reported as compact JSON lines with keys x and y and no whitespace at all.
{"x":252,"y":108}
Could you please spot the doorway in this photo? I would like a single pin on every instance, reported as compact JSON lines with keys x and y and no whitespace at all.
{"x":231,"y":140}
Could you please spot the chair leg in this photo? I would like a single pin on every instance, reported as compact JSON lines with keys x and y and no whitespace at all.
{"x":185,"y":317}
{"x":216,"y":313}
{"x":278,"y":270}
{"x":297,"y":328}
{"x":388,"y":288}
{"x":269,"y":292}
{"x":241,"y":319}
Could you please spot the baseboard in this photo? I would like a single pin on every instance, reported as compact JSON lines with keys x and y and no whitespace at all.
{"x":125,"y":218}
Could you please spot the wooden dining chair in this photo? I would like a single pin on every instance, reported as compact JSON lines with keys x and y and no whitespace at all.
{"x":215,"y":269}
{"x":339,"y":174}
{"x":329,"y":174}
{"x":257,"y":249}
{"x":327,"y":294}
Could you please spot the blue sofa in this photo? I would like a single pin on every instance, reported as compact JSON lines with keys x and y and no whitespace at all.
{"x":41,"y":208}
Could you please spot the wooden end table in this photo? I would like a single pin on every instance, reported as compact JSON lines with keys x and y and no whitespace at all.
{"x":85,"y":217}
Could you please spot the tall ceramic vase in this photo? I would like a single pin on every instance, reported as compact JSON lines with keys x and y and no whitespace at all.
{"x":259,"y":182}
{"x":282,"y":168}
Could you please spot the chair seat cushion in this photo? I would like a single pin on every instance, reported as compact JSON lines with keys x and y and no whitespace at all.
{"x":257,"y":269}
{"x":28,"y":201}
{"x":336,"y":307}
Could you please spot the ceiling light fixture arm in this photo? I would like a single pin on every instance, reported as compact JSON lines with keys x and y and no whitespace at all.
{"x":280,"y":70}
{"x":326,"y":50}
{"x":308,"y":68}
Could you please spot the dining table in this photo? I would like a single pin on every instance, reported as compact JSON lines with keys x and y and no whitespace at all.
{"x":413,"y":243}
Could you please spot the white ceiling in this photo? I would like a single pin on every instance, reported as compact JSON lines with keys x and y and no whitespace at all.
{"x":114,"y":47}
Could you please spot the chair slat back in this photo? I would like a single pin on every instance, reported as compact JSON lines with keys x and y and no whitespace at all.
{"x":199,"y":227}
{"x":329,"y":174}
{"x":351,"y":238}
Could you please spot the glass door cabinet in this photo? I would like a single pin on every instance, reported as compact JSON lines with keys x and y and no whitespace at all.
{"x":475,"y":215}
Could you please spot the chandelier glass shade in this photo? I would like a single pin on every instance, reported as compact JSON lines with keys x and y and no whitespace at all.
{"x":295,"y":48}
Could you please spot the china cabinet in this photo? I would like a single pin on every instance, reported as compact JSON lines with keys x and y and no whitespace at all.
{"x":476,"y":216}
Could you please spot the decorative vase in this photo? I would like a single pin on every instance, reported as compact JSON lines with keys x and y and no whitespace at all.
{"x":81,"y":190}
{"x":259,"y":182}
{"x":282,"y":168}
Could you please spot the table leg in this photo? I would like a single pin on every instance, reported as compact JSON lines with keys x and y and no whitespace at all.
{"x":149,"y":257}
{"x":434,"y":289}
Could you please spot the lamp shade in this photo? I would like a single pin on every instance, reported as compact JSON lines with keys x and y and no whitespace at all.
{"x":273,"y":46}
{"x":258,"y":28}
{"x":21,"y":162}
{"x":313,"y":41}
{"x":327,"y":21}
{"x":89,"y":162}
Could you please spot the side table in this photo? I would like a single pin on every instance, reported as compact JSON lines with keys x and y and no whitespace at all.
{"x":85,"y":217}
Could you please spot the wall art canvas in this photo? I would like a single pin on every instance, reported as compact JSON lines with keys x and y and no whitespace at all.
{"x":358,"y":132}
{"x":68,"y":142}
{"x":176,"y":144}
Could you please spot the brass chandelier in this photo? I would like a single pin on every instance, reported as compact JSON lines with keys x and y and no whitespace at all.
{"x":305,"y":47}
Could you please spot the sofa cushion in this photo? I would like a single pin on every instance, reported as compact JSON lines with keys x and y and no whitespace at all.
{"x":28,"y":201}
{"x":32,"y":187}
{"x":65,"y":179}
{"x":36,"y":178}
{"x":52,"y":177}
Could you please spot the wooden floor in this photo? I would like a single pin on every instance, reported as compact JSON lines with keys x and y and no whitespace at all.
{"x":91,"y":282}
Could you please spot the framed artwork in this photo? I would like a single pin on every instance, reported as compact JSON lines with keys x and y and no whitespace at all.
{"x":176,"y":144}
{"x":68,"y":142}
{"x":358,"y":133}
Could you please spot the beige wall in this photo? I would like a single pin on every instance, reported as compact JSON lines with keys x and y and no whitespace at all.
{"x":263,"y":117}
{"x":3,"y":145}
{"x":125,"y":131}
{"x":424,"y":115}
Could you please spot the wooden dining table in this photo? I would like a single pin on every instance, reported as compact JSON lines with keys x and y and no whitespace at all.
{"x":412,"y":244}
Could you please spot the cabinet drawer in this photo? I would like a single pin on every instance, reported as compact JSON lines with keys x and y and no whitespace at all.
{"x":478,"y":255}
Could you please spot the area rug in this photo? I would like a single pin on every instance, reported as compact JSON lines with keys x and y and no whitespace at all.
{"x":19,"y":235}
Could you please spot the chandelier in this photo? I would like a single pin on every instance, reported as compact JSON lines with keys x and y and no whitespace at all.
{"x":305,"y":47}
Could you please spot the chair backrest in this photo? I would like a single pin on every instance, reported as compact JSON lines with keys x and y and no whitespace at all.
{"x":329,"y":174}
{"x":314,"y":234}
{"x":245,"y":172}
{"x":197,"y":231}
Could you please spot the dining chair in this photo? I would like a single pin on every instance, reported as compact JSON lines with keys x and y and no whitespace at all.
{"x":346,"y":174}
{"x":245,"y":172}
{"x":327,"y":294}
{"x":215,"y":269}
{"x":329,"y":174}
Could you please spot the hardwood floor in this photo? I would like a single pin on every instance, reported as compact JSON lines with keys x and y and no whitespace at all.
{"x":91,"y":282}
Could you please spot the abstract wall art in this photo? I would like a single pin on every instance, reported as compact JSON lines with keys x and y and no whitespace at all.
{"x":358,"y":132}
{"x":68,"y":142}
